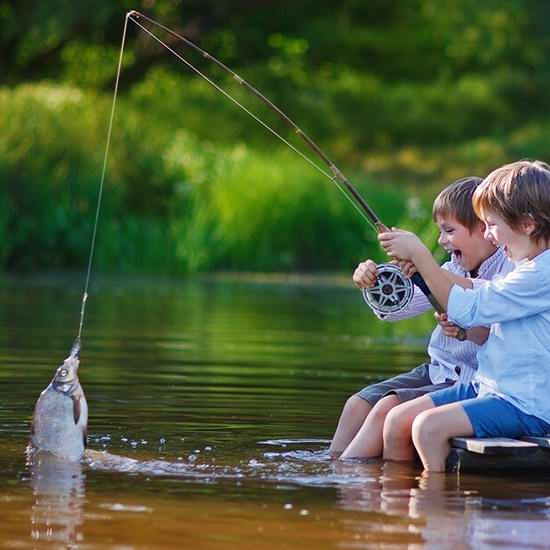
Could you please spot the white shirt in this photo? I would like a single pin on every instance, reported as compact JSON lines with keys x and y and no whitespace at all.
{"x":449,"y":356}
{"x":514,"y":362}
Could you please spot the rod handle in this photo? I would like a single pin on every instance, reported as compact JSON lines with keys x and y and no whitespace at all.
{"x":418,"y":280}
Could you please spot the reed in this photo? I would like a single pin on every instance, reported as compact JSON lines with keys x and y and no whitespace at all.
{"x":174,"y":200}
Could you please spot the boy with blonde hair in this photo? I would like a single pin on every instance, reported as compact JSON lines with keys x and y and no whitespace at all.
{"x":508,"y":396}
{"x":359,"y":431}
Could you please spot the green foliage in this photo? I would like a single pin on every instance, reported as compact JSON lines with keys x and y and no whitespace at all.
{"x":407,"y":96}
{"x":172,"y":203}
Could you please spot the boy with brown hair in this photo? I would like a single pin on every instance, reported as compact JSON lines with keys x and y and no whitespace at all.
{"x":360,"y":428}
{"x":508,"y":396}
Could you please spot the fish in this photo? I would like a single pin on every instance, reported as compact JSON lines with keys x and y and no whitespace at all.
{"x":60,"y":418}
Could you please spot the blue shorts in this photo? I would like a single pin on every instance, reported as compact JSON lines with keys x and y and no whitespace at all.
{"x":491,"y":416}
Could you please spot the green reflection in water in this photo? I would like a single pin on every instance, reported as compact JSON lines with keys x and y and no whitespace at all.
{"x":214,"y":375}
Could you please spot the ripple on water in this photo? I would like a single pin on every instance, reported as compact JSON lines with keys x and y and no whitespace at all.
{"x":240,"y":373}
{"x":302,"y":467}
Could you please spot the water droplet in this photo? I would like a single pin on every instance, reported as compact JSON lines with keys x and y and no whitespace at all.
{"x":134,"y":443}
{"x":124,"y":439}
{"x":304,"y":512}
{"x":208,"y":448}
{"x":144,"y":441}
{"x":191,"y":458}
{"x":162,"y":440}
{"x":288,"y":506}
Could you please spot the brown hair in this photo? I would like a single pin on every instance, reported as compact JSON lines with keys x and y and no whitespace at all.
{"x":515,"y":191}
{"x":456,"y":201}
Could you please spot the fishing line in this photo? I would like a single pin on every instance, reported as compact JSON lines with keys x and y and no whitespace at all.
{"x":337,"y":177}
{"x":102,"y":181}
{"x":245,"y":109}
{"x":129,"y":15}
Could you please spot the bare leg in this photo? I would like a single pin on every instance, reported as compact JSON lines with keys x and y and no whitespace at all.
{"x":432,"y":430}
{"x":368,"y":441}
{"x":398,"y":443}
{"x":352,"y":418}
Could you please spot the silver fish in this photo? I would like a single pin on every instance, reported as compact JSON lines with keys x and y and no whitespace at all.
{"x":60,"y":417}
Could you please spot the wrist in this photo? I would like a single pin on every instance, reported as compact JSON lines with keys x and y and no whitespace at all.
{"x":421,"y":256}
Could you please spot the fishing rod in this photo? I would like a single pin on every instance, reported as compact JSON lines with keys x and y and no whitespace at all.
{"x":393,"y":290}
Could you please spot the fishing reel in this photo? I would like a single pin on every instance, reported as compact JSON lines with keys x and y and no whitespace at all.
{"x":391,"y":293}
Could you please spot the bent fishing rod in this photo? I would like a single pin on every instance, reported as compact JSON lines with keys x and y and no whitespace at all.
{"x":393,"y":290}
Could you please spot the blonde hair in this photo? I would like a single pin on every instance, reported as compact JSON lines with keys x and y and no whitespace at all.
{"x":456,"y":201}
{"x":516,"y":191}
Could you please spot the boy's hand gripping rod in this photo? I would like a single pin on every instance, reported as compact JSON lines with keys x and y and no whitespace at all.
{"x":337,"y":176}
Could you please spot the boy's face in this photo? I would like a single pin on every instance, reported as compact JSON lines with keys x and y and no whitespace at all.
{"x":470,"y":249}
{"x":517,"y":243}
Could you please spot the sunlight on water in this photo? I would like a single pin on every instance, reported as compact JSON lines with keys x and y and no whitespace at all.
{"x":212,"y":403}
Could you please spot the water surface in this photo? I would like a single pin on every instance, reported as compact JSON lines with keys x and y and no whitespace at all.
{"x":226,"y":391}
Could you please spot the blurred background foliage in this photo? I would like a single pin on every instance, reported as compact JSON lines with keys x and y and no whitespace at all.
{"x":405,"y":96}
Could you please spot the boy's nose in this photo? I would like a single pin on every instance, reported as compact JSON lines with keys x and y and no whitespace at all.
{"x":487,"y":235}
{"x":442,"y":239}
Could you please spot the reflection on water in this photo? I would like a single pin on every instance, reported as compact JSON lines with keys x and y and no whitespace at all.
{"x":211,"y":407}
{"x":59,"y":492}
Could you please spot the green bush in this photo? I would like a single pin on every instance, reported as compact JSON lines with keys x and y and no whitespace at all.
{"x":172,"y":202}
{"x":182,"y":193}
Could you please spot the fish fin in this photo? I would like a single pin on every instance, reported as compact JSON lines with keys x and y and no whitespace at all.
{"x":84,"y":437}
{"x":76,"y":409}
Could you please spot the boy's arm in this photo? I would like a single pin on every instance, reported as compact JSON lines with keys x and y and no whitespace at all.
{"x":521,"y":293}
{"x":404,"y":245}
{"x":477,"y":335}
{"x":419,"y":304}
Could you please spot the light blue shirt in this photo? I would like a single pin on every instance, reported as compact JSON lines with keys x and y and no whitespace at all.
{"x":514,"y":362}
{"x":449,"y":355}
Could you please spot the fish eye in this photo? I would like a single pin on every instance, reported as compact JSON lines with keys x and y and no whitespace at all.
{"x":63,"y":372}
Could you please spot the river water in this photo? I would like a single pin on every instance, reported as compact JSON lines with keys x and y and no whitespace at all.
{"x":226,"y":392}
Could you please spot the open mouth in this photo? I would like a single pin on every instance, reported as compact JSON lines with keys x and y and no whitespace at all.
{"x":457,"y":254}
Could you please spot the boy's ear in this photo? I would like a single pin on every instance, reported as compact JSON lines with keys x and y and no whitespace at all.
{"x":480,"y":227}
{"x":528,"y":224}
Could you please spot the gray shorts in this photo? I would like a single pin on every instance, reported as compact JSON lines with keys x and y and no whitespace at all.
{"x":406,"y":386}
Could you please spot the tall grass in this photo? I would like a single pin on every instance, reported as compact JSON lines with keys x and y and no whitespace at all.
{"x":176,"y":201}
{"x":172,"y":202}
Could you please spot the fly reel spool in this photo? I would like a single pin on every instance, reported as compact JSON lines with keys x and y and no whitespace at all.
{"x":391,"y":293}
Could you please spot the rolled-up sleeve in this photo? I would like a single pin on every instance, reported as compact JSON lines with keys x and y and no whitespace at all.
{"x":462,"y":306}
{"x":521,"y":293}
